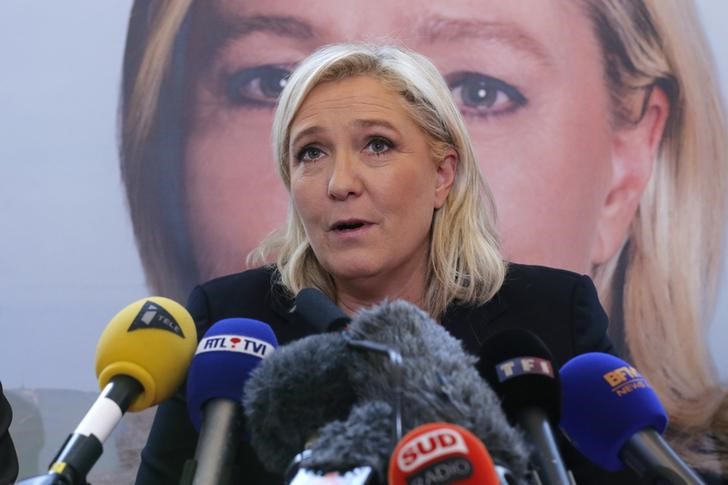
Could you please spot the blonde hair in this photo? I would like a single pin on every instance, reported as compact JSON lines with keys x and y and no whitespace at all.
{"x":665,"y":277}
{"x":464,"y":259}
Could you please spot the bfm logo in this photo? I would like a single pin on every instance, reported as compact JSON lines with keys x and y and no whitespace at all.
{"x":523,"y":365}
{"x":428,"y":446}
{"x":235,"y":343}
{"x":624,"y":380}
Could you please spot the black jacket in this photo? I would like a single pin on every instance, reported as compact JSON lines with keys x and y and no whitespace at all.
{"x":561,"y":307}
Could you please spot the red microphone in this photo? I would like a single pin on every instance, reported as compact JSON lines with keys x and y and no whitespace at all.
{"x":441,"y":453}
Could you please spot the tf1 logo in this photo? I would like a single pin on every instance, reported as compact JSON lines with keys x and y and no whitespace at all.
{"x":523,"y":365}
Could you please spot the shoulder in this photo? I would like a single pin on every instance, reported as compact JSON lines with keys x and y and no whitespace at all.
{"x":252,"y":294}
{"x":552,"y":281}
{"x":551,"y":290}
{"x":559,"y":306}
{"x":245,"y":285}
{"x":549,"y":299}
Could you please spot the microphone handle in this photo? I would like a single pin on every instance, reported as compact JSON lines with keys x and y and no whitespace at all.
{"x":218,"y":442}
{"x":647,"y":453}
{"x":84,"y":446}
{"x":546,"y":457}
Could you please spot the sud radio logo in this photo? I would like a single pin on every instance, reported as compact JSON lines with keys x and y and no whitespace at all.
{"x":430,"y":446}
{"x":624,"y":380}
{"x":235,"y":343}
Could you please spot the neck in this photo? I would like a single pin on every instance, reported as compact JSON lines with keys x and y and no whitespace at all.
{"x":351,"y":296}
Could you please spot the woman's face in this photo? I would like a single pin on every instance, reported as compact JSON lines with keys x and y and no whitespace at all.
{"x":364,"y":184}
{"x":527,"y":76}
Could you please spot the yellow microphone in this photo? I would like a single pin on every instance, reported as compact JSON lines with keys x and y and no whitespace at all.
{"x":152,"y":341}
{"x":141,"y":360}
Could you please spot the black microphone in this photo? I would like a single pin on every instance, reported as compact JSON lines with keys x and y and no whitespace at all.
{"x":316,"y":310}
{"x":353,"y":449}
{"x":297,"y":390}
{"x":518,"y":367}
{"x":317,"y":384}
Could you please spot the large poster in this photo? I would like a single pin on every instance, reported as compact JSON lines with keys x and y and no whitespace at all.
{"x":580,"y":172}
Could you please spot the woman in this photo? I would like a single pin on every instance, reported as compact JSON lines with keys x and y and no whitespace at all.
{"x":649,"y":95}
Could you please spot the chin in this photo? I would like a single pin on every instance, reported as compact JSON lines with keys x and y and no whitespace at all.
{"x":351,"y":271}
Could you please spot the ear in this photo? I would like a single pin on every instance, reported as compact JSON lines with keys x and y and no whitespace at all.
{"x":445,"y":177}
{"x":634,"y":148}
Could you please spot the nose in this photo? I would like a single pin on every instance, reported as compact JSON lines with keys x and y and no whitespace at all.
{"x":344,"y":180}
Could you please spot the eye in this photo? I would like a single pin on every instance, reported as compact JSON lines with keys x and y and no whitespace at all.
{"x":481,"y":95}
{"x":309,"y":154}
{"x":258,"y":86}
{"x":379,"y":145}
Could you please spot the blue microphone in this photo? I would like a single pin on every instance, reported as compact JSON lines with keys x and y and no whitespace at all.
{"x":225,"y":356}
{"x":612,"y":415}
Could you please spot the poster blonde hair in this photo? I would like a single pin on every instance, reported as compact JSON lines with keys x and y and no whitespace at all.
{"x":665,"y":277}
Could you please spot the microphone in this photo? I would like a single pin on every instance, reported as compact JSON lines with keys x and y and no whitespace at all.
{"x":614,"y":418}
{"x":355,"y":451}
{"x":518,"y":367}
{"x":317,"y":311}
{"x":141,"y":359}
{"x":228,"y":352}
{"x":317,"y":384}
{"x":293,"y":393}
{"x":441,"y":453}
{"x":352,"y":451}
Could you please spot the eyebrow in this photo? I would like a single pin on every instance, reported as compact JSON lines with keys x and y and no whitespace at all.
{"x":368,"y":123}
{"x":362,"y":123}
{"x":214,"y":29}
{"x":438,"y":28}
{"x":432,"y":29}
{"x":311,"y":130}
{"x":280,"y":25}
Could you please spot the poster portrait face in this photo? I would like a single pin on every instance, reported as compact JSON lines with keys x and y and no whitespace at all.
{"x":528,"y":77}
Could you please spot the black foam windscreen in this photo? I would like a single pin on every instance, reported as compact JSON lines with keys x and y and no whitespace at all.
{"x":518,"y":366}
{"x":320,"y":393}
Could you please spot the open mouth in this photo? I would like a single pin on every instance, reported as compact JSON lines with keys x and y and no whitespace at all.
{"x":348,"y":226}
